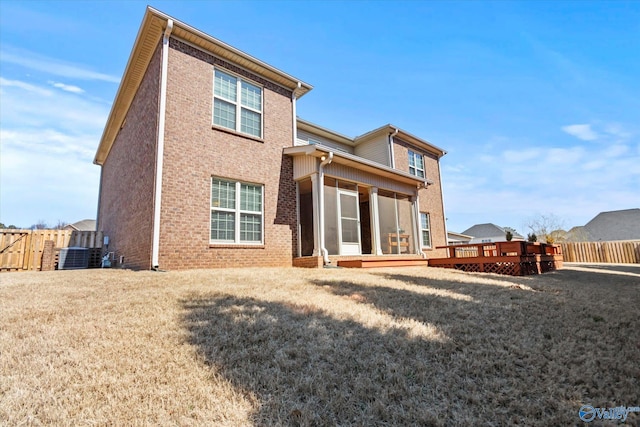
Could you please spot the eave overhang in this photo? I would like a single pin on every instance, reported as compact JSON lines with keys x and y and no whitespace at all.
{"x":358,"y":163}
{"x":149,"y":35}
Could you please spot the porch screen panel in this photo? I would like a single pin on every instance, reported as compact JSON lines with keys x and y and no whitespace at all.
{"x":388,"y":223}
{"x":349,"y":218}
{"x":331,"y":219}
{"x":405,"y":224}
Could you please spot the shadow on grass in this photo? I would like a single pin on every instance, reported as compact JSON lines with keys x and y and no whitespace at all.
{"x":307,"y":368}
{"x":513,"y":356}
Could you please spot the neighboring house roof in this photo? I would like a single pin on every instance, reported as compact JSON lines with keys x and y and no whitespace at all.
{"x":151,"y":31}
{"x":614,"y":225}
{"x":488,"y":230}
{"x":459,"y":236}
{"x":84,"y":225}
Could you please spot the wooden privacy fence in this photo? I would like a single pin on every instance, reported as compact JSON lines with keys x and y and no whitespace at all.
{"x":622,"y":252}
{"x":25,"y":250}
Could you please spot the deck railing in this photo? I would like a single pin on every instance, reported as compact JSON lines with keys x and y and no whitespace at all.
{"x":513,"y":258}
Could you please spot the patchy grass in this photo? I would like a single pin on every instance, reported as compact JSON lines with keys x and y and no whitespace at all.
{"x":412,"y":346}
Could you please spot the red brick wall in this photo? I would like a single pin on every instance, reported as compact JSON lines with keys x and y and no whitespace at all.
{"x":430,"y":198}
{"x":127,"y":180}
{"x":194,"y":152}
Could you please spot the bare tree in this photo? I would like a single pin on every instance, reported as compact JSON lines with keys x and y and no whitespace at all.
{"x":40,"y":225}
{"x":61,"y":225}
{"x":547,"y":228}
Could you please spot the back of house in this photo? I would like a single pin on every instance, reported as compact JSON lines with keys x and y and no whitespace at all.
{"x":204,"y":163}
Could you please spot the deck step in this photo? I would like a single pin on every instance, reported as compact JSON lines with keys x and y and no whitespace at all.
{"x":373,"y":263}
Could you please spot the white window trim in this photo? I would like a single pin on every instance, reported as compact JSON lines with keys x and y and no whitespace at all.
{"x":238,"y":103}
{"x":425,"y":229}
{"x":237,"y":211}
{"x":416,"y":168}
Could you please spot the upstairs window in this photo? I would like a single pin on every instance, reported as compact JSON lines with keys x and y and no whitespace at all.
{"x":237,"y":104}
{"x":416,"y":164}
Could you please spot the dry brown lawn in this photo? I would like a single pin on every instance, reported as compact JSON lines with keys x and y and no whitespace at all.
{"x":408,"y":346}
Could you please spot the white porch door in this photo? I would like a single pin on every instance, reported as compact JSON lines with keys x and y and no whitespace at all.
{"x":349,"y":224}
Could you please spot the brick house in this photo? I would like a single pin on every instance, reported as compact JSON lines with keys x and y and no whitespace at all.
{"x":204,"y":164}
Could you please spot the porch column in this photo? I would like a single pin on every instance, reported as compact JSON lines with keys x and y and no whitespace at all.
{"x":415,"y":213}
{"x":315,"y":200}
{"x":376,"y":243}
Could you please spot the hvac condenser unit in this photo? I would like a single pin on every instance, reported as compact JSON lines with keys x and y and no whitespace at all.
{"x":73,"y":258}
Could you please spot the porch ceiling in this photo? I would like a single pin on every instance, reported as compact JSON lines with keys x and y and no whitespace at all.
{"x":357,"y":162}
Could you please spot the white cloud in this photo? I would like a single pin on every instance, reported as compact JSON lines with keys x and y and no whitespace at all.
{"x":24,"y":86}
{"x":65,"y":87}
{"x":583,"y":132}
{"x":574,"y":182}
{"x":48,"y":138}
{"x":53,"y":66}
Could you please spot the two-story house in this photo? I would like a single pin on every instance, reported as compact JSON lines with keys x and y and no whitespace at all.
{"x":204,"y":163}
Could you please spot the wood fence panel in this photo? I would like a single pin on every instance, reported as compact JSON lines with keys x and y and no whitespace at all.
{"x":23,"y":249}
{"x":618,"y":252}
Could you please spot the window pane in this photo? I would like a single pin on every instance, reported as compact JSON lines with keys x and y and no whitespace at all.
{"x":426,"y":239}
{"x":222,"y":225}
{"x":223,"y":194}
{"x":250,"y":122}
{"x":425,"y":226}
{"x":224,"y":114}
{"x":251,"y":96}
{"x":420,"y":173}
{"x":250,"y":198}
{"x":250,"y":228}
{"x":419,"y":161}
{"x":412,"y":160}
{"x":225,"y":86}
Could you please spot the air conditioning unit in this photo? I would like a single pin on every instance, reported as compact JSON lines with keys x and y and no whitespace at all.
{"x":73,"y":258}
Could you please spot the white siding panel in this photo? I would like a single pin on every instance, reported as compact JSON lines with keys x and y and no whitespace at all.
{"x":304,"y":166}
{"x":376,"y":149}
{"x":361,"y":177}
{"x":303,"y":138}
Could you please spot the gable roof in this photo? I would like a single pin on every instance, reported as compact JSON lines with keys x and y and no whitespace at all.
{"x":84,"y":225}
{"x":383,"y":130}
{"x":488,"y":230}
{"x":614,"y":225}
{"x":149,"y":35}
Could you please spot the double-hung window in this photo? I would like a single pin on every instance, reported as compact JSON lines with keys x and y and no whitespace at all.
{"x":425,"y":230}
{"x":236,"y":212}
{"x":416,"y":164}
{"x":237,"y":104}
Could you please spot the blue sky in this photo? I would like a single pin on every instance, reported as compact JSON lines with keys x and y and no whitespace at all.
{"x":537,"y":103}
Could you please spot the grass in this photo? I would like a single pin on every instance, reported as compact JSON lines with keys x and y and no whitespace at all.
{"x":409,"y":346}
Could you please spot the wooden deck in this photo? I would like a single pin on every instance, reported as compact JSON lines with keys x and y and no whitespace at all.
{"x":510,"y":258}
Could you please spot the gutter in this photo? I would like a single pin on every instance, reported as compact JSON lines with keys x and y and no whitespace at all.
{"x":323,"y":249}
{"x":155,"y":243}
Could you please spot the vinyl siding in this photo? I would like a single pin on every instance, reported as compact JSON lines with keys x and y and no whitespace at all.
{"x":376,"y":149}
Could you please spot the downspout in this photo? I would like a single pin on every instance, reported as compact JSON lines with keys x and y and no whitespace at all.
{"x":155,"y":244}
{"x":418,"y":222}
{"x":323,"y":163}
{"x":392,"y":157}
{"x":444,"y":215}
{"x":295,"y":114}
